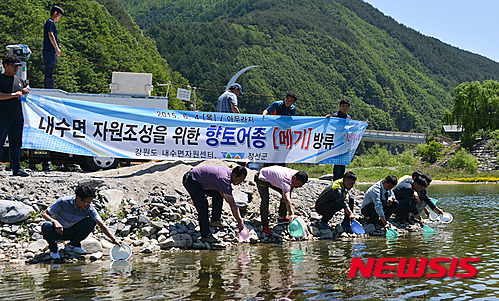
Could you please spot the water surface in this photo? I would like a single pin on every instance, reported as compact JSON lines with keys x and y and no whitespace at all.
{"x":297,"y":270}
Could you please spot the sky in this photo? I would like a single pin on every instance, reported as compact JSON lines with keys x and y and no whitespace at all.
{"x":471,"y":25}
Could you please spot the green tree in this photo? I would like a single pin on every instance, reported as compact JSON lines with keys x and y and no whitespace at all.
{"x":476,"y":107}
{"x":464,"y":160}
{"x":431,"y":151}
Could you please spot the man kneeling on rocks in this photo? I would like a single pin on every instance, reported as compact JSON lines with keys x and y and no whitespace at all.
{"x":282,"y":180}
{"x":72,"y":218}
{"x":214,"y":181}
{"x":379,"y":202}
{"x":334,"y":198}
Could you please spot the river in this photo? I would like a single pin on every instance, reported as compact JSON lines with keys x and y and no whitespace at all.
{"x":293,"y":271}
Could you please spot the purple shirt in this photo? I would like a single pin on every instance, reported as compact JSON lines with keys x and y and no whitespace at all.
{"x":213,"y":178}
{"x":278,"y":176}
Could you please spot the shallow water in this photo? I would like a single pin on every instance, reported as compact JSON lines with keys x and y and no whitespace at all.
{"x":296,"y":271}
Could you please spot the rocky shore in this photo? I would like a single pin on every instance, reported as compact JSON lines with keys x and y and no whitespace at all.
{"x":149,"y":209}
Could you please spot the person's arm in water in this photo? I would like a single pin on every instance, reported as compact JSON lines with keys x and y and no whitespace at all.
{"x":235,"y":210}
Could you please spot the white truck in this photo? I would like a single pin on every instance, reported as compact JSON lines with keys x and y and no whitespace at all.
{"x":128,"y":89}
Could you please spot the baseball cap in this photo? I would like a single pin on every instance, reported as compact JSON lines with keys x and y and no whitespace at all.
{"x":238,"y":86}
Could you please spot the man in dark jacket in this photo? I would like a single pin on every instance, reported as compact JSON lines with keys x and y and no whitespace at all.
{"x":405,"y":193}
{"x":12,"y":88}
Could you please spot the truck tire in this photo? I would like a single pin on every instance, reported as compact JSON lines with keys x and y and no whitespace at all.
{"x":98,"y":163}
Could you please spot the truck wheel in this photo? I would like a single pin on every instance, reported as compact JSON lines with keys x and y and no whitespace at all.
{"x":97,"y":163}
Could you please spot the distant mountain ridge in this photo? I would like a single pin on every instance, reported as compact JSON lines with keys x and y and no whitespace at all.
{"x":321,"y":49}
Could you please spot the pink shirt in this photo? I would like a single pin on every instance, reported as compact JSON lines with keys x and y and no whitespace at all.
{"x":278,"y":176}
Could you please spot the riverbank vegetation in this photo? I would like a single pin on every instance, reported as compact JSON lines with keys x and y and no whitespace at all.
{"x":447,"y":163}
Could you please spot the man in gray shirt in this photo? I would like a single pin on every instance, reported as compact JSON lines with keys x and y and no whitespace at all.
{"x":227,"y":102}
{"x":379,"y":201}
{"x":72,"y":218}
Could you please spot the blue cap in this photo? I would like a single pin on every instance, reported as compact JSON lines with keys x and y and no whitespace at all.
{"x":237,"y":86}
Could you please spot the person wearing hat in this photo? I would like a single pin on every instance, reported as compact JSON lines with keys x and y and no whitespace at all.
{"x":73,"y":218}
{"x":339,"y":170}
{"x":51,"y":48}
{"x":12,"y":88}
{"x":227,"y":102}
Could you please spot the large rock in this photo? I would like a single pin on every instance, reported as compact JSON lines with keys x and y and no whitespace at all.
{"x":182,"y":240}
{"x":91,"y":245}
{"x":13,"y":212}
{"x":37,"y":246}
{"x":91,"y":182}
{"x":113,"y":197}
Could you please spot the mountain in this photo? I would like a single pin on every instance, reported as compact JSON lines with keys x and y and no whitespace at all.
{"x":100,"y":33}
{"x":324,"y":50}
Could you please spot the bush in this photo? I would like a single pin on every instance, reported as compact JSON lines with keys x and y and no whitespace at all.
{"x":407,"y":158}
{"x":464,"y":160}
{"x":375,"y":156}
{"x":431,"y":151}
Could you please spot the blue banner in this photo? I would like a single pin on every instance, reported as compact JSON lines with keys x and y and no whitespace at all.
{"x":106,"y":130}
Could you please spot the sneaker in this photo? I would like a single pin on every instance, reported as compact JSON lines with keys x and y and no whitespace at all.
{"x":77,"y":250}
{"x":55,"y":255}
{"x":283,"y":220}
{"x":323,"y":225}
{"x":20,"y":173}
{"x":267,"y":230}
{"x":209,"y":239}
{"x":217,"y":224}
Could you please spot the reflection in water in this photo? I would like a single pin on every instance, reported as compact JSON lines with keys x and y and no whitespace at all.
{"x":294,"y":271}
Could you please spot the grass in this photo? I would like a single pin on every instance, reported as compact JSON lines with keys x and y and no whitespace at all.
{"x":373,"y":174}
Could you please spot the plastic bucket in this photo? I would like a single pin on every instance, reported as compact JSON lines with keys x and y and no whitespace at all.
{"x":122,"y":252}
{"x":390,"y":233}
{"x":357,"y":228}
{"x":295,"y":228}
{"x":433,"y":216}
{"x":243,"y":235}
{"x":446,"y":217}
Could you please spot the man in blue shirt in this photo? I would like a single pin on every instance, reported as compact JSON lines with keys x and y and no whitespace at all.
{"x":51,"y":48}
{"x":72,"y":218}
{"x":379,"y":201}
{"x":283,"y":107}
{"x":227,"y":102}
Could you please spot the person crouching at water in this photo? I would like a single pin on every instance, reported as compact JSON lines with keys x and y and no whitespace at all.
{"x":214,"y":181}
{"x":405,"y":193}
{"x":379,"y":202}
{"x":282,"y":180}
{"x":336,"y":197}
{"x":72,"y":218}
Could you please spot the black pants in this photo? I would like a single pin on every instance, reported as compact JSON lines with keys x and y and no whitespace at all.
{"x":50,"y":59}
{"x":370,"y":213}
{"x":263,"y":189}
{"x":198,"y":196}
{"x":403,"y":210}
{"x":75,"y":234}
{"x":338,"y":172}
{"x":13,"y":129}
{"x":328,"y":208}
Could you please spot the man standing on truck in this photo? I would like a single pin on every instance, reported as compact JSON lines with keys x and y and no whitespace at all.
{"x":227,"y":102}
{"x":51,"y":48}
{"x":12,"y":88}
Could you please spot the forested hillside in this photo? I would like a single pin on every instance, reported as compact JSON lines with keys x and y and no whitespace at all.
{"x":324,"y":50}
{"x":87,"y":32}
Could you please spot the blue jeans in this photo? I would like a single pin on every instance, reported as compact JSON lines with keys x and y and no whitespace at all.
{"x":13,"y":129}
{"x":74,"y":234}
{"x":338,"y":172}
{"x":50,"y":59}
{"x":198,"y":196}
